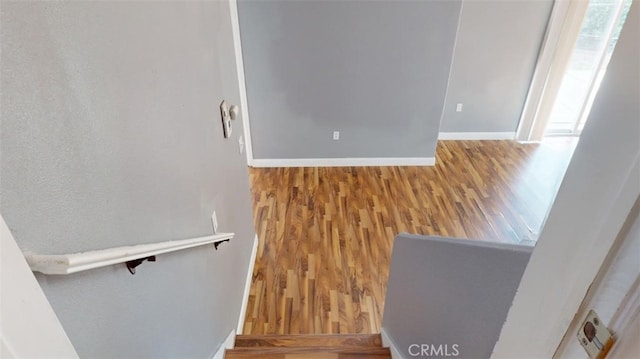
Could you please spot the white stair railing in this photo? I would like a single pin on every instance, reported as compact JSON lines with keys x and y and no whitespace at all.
{"x":132,"y":255}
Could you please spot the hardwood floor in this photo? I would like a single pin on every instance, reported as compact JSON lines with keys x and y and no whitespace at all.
{"x":325,"y":234}
{"x":327,"y":340}
{"x":342,"y":346}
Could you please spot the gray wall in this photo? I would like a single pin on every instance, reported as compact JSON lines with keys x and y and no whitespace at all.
{"x":447,"y":292}
{"x":111,"y":136}
{"x":496,"y":51}
{"x":375,"y":71}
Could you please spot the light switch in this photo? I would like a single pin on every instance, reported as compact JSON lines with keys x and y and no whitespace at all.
{"x":226,"y":119}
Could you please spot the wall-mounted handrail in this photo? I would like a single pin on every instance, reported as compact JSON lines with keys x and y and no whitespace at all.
{"x":78,"y":262}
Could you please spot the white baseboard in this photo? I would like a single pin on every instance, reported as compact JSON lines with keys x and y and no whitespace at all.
{"x":387,"y":341}
{"x":477,"y":136}
{"x":247,"y":286}
{"x":227,"y":344}
{"x":344,"y":162}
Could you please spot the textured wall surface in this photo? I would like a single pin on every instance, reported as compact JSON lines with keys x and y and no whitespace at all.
{"x":375,"y":71}
{"x":111,"y":136}
{"x":452,"y":294}
{"x":496,"y":52}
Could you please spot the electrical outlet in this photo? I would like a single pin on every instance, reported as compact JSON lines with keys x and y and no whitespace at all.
{"x":241,"y":144}
{"x":459,"y":107}
{"x":336,"y":135}
{"x":214,"y":222}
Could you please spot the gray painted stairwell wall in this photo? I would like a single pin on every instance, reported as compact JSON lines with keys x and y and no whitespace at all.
{"x":496,"y":52}
{"x":374,"y":70}
{"x":111,"y":136}
{"x":450,"y":294}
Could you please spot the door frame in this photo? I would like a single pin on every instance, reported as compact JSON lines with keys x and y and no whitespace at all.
{"x":615,"y":293}
{"x":592,"y":205}
{"x":555,"y":53}
{"x":242,"y":86}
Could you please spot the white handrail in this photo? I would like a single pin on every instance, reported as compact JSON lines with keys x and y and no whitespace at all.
{"x":78,"y":262}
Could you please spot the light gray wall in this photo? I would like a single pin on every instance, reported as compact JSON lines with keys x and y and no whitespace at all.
{"x":496,"y":52}
{"x":111,"y":136}
{"x":375,"y":71}
{"x":447,"y":292}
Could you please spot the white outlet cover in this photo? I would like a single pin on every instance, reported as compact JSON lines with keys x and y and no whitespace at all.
{"x":336,"y":135}
{"x":241,"y":144}
{"x":459,"y":107}
{"x":214,"y":222}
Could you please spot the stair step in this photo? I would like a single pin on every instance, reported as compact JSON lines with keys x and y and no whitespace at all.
{"x":309,"y":340}
{"x":308,"y":353}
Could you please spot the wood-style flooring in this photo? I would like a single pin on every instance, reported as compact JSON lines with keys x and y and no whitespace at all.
{"x":342,"y":346}
{"x":326,"y":234}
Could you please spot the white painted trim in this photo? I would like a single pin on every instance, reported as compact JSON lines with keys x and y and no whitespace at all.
{"x":244,"y":104}
{"x":228,"y":343}
{"x":77,"y":262}
{"x":615,"y":293}
{"x":29,"y":328}
{"x":476,"y":135}
{"x":387,"y":341}
{"x":629,"y":307}
{"x":344,"y":162}
{"x":626,"y":345}
{"x":555,"y":54}
{"x":624,"y":318}
{"x":543,"y":66}
{"x":247,"y":286}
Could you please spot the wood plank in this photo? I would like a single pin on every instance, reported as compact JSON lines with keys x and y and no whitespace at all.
{"x":306,"y":340}
{"x":307,"y":353}
{"x":326,"y":234}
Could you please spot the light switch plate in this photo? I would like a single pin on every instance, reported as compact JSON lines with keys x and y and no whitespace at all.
{"x":594,"y":336}
{"x":226,"y":119}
